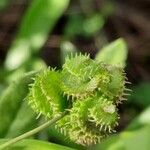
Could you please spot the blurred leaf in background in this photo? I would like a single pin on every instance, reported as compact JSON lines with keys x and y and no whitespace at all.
{"x":4,"y":3}
{"x":36,"y":145}
{"x":36,"y":24}
{"x":115,"y":53}
{"x":24,"y":121}
{"x":34,"y":64}
{"x":141,"y":94}
{"x":133,"y":140}
{"x":141,"y":121}
{"x":11,"y":101}
{"x":83,"y":25}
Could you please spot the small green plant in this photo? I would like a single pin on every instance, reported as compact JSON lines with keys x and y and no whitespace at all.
{"x":81,"y":99}
{"x":89,"y":90}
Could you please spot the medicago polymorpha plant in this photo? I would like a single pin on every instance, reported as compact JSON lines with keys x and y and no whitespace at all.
{"x":90,"y":91}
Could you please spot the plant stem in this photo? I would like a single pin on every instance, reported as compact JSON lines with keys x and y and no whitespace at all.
{"x":34,"y":131}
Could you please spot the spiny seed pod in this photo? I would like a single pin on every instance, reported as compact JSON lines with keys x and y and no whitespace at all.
{"x":89,"y":120}
{"x":45,"y":95}
{"x":81,"y":76}
{"x":104,"y":114}
{"x":115,"y":88}
{"x":92,"y":89}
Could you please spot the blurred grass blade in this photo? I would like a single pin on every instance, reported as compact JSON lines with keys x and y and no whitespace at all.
{"x":38,"y":21}
{"x":29,"y":144}
{"x":114,"y":53}
{"x":11,"y":100}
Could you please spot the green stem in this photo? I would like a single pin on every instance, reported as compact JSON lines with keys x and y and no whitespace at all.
{"x":34,"y":131}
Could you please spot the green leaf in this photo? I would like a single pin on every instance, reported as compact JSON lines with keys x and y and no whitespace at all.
{"x":24,"y":121}
{"x":114,"y":53}
{"x":142,"y":120}
{"x":37,"y":22}
{"x":133,"y":140}
{"x":35,"y":145}
{"x":11,"y":100}
{"x":137,"y":140}
{"x":141,"y":94}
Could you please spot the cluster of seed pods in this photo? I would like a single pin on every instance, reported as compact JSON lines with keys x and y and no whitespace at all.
{"x":88,"y":90}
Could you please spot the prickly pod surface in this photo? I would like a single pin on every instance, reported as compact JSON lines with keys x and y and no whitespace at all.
{"x":88,"y":90}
